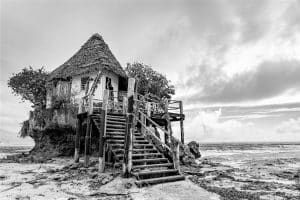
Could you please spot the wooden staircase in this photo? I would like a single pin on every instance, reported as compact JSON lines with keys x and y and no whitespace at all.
{"x":121,"y":144}
{"x":149,"y":165}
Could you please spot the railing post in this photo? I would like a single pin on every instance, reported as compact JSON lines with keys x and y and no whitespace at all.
{"x":148,"y":109}
{"x":124,"y":105}
{"x":102,"y":133}
{"x":168,"y":127}
{"x":181,"y":122}
{"x":127,"y":165}
{"x":142,"y":120}
{"x":91,"y":105}
{"x":80,"y":107}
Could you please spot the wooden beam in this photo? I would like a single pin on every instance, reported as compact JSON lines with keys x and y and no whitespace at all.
{"x":169,"y":127}
{"x":176,"y":155}
{"x":127,"y":165}
{"x":102,"y":133}
{"x":87,"y":142}
{"x":181,"y":122}
{"x":77,"y":139}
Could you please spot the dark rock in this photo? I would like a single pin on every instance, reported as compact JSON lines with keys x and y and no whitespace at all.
{"x":94,"y":175}
{"x":93,"y":169}
{"x":189,"y":153}
{"x":194,"y":149}
{"x":19,"y":197}
{"x":75,"y":166}
{"x":128,"y":185}
{"x":185,"y":155}
{"x":51,"y":171}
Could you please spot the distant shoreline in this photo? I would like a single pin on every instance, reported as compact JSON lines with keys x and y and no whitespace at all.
{"x":250,"y":143}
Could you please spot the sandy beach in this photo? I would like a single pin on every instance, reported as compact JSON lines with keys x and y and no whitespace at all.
{"x":60,"y":179}
{"x":226,"y":171}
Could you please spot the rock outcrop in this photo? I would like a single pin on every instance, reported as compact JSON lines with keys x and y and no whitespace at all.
{"x":189,"y":153}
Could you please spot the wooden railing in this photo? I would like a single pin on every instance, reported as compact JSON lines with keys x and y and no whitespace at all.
{"x":116,"y":102}
{"x":151,"y":130}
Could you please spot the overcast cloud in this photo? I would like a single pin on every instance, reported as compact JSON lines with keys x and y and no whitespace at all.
{"x":218,"y":53}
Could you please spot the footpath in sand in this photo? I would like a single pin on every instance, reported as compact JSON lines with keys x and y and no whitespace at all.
{"x":60,"y":179}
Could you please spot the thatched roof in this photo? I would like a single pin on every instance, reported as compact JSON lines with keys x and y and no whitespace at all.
{"x":93,"y":56}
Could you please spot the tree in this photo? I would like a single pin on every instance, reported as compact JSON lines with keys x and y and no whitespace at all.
{"x":150,"y":81}
{"x":30,"y":84}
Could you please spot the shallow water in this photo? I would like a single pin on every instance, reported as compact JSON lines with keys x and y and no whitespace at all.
{"x":270,"y":169}
{"x":11,"y":150}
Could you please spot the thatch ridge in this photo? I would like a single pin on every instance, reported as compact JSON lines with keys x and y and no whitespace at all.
{"x":93,"y":56}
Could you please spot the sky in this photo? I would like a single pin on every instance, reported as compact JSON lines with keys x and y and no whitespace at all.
{"x":234,"y":63}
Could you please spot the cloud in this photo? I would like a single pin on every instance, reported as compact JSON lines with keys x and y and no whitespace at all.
{"x":213,"y":126}
{"x":268,"y":80}
{"x":290,"y":126}
{"x":207,"y":126}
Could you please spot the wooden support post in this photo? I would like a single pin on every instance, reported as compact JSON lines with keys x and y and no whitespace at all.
{"x":87,"y":142}
{"x":127,"y":165}
{"x":168,"y":127}
{"x":80,"y":108}
{"x":176,"y":155}
{"x":77,"y":139}
{"x":167,"y":138}
{"x":124,"y":105}
{"x":148,"y":109}
{"x":181,"y":122}
{"x":91,"y":104}
{"x":142,"y":127}
{"x":102,"y":133}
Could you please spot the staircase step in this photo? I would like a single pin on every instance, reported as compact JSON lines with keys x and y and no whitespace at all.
{"x":142,"y":145}
{"x":115,"y":137}
{"x":116,"y":114}
{"x":151,"y":160}
{"x":115,"y":141}
{"x":152,"y":166}
{"x":115,"y":126}
{"x":122,"y":140}
{"x":146,"y":154}
{"x":113,"y":131}
{"x":118,"y":145}
{"x":140,"y":142}
{"x":115,"y":122}
{"x":137,"y":150}
{"x":163,"y":172}
{"x":139,"y":137}
{"x":145,"y":182}
{"x":138,"y":155}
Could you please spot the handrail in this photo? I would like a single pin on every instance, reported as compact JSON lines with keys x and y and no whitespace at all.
{"x":156,"y":125}
{"x":153,"y":122}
